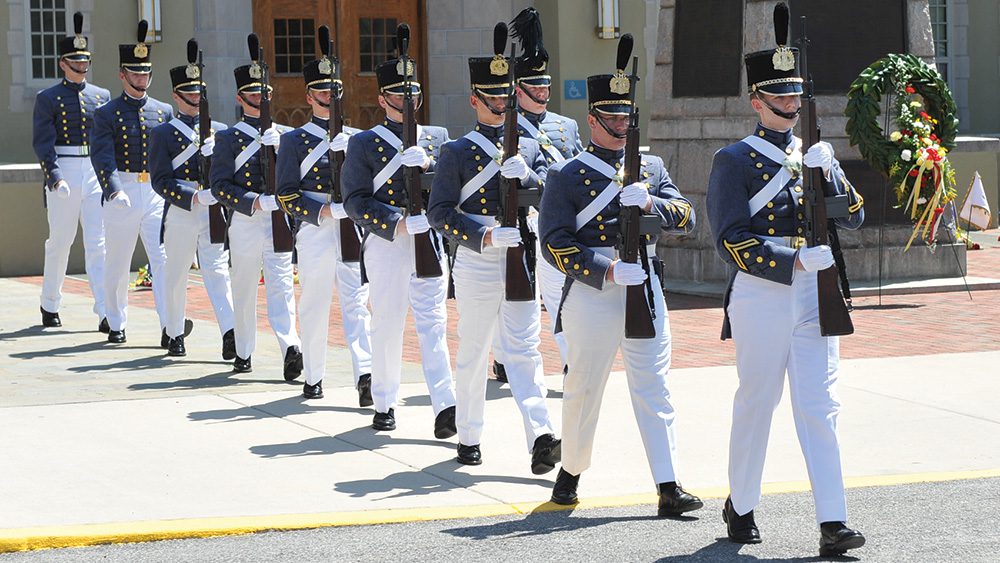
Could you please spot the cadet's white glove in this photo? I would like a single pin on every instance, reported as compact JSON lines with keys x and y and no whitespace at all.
{"x":635,"y":195}
{"x":271,"y":137}
{"x":339,"y":143}
{"x":121,"y":201}
{"x":205,"y":197}
{"x":533,"y":221}
{"x":416,"y":224}
{"x":819,"y":155}
{"x":208,"y":147}
{"x":505,"y":236}
{"x":415,"y":156}
{"x":628,"y":273}
{"x":337,"y":211}
{"x":815,"y":258}
{"x":62,"y":189}
{"x":515,"y":167}
{"x":267,"y":202}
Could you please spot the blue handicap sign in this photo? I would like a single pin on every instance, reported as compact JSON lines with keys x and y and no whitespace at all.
{"x":575,"y":89}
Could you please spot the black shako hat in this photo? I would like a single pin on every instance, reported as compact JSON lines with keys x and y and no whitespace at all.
{"x":134,"y":57}
{"x":75,"y":47}
{"x":775,"y":71}
{"x":490,"y":76}
{"x":187,"y":79}
{"x":612,"y":93}
{"x":531,"y":67}
{"x":322,"y":73}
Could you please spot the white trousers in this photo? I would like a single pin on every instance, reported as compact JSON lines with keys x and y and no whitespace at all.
{"x":594,"y":323}
{"x":83,"y":206}
{"x":251,"y":247}
{"x":395,"y":288}
{"x":479,"y":290}
{"x":776,"y":330}
{"x":143,"y":218}
{"x":185,"y":234}
{"x":320,"y":270}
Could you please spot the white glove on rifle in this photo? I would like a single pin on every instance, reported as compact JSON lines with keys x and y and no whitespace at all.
{"x":271,"y":137}
{"x":628,"y":273}
{"x":635,"y":195}
{"x":339,"y":143}
{"x":416,"y":224}
{"x":815,"y":258}
{"x":819,"y":155}
{"x":62,"y":189}
{"x":533,"y":221}
{"x":415,"y":156}
{"x":121,"y":201}
{"x":515,"y":167}
{"x":267,"y":202}
{"x":208,"y":147}
{"x":337,"y":211}
{"x":205,"y":197}
{"x":505,"y":236}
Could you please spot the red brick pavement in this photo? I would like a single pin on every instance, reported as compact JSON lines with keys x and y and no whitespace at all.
{"x":903,"y":325}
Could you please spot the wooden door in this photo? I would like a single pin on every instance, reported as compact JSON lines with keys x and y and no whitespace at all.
{"x":364,"y":33}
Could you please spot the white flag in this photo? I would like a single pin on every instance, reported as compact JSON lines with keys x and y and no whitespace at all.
{"x":976,"y":209}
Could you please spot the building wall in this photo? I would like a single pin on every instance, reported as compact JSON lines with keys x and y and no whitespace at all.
{"x":984,"y":66}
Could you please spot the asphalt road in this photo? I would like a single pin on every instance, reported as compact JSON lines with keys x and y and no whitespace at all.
{"x":950,"y":521}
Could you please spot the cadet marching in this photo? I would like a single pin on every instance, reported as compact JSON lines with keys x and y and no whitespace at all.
{"x":347,"y":207}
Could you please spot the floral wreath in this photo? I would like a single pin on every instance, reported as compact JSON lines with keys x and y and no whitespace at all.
{"x":914,"y":155}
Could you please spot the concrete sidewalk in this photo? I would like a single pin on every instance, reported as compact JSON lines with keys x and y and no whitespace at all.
{"x":105,"y":443}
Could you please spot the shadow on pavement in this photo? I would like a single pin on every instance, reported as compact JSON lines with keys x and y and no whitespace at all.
{"x":360,"y":439}
{"x":437,"y":478}
{"x":725,"y":550}
{"x":540,"y":523}
{"x":275,"y":409}
{"x":494,"y":391}
{"x":63,"y":351}
{"x":216,"y":380}
{"x":39,"y":330}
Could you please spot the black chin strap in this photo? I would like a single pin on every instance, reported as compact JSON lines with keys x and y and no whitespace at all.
{"x":544,"y":102}
{"x":605,"y":127}
{"x":489,"y":106}
{"x":778,"y":112}
{"x":248,"y":102}
{"x":137,"y":88}
{"x":77,"y":71}
{"x":185,"y":99}
{"x":400,"y":110}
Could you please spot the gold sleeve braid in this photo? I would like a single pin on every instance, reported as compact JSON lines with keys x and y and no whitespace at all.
{"x":737,"y":248}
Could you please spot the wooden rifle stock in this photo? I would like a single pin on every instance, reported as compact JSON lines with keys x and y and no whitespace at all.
{"x":519,"y":284}
{"x":216,"y":220}
{"x":350,"y":244}
{"x":281,"y":233}
{"x":426,"y":262}
{"x":834,"y":315}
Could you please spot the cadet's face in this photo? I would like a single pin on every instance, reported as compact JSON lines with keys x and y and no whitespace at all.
{"x":321,"y":96}
{"x":483,"y":112}
{"x":771,"y":120}
{"x":75,"y":67}
{"x":616,"y":123}
{"x":541,"y":93}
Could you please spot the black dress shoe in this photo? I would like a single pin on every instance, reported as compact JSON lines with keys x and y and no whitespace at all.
{"x":104,"y":326}
{"x":116,"y":336}
{"x":836,"y":538}
{"x":365,"y":390}
{"x":675,"y":501}
{"x":50,"y":320}
{"x":384,"y":420}
{"x":164,"y":339}
{"x":229,"y":345}
{"x":176,"y":347}
{"x":741,"y":529}
{"x":545,"y":454}
{"x":500,"y":372}
{"x":469,"y":455}
{"x":565,"y":490}
{"x":313,"y":391}
{"x":242,"y":366}
{"x":444,"y":424}
{"x":293,"y":363}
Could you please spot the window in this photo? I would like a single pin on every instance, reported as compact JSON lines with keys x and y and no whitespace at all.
{"x":939,"y":27}
{"x":378,"y":41}
{"x":48,"y":26}
{"x":294,"y":45}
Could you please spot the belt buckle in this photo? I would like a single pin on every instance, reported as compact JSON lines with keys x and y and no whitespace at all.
{"x":143,"y":177}
{"x":796,"y":242}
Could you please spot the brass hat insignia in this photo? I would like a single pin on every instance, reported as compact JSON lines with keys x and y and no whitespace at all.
{"x":783,"y":59}
{"x":325,"y":66}
{"x":79,"y":42}
{"x":255,"y":71}
{"x":140,"y":51}
{"x":192,"y":71}
{"x":620,"y":83}
{"x":499,"y":66}
{"x":404,"y":70}
{"x":541,"y":67}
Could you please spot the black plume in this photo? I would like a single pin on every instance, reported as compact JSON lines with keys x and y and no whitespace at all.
{"x":403,"y":39}
{"x":624,"y":51}
{"x":141,"y":34}
{"x":192,"y":50}
{"x":527,"y":29}
{"x":78,"y":23}
{"x":253,"y":44}
{"x":781,"y":24}
{"x":324,"y":40}
{"x":500,"y":39}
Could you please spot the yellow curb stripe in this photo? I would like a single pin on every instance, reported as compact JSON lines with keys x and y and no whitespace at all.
{"x":51,"y":537}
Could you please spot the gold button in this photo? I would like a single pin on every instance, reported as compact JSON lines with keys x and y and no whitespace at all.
{"x":586,"y":272}
{"x":759,"y":165}
{"x":772,"y":263}
{"x":385,"y":226}
{"x":746,"y":255}
{"x":604,"y":237}
{"x":770,"y":231}
{"x":770,"y":204}
{"x":482,"y":190}
{"x":384,"y":159}
{"x":760,"y":259}
{"x":799,"y":230}
{"x":770,"y":217}
{"x":454,"y":232}
{"x":583,"y":171}
{"x":315,"y":169}
{"x":465,"y":237}
{"x":479,"y":168}
{"x":380,"y":149}
{"x":392,"y":202}
{"x":798,"y":189}
{"x":802,"y":201}
{"x":600,"y":227}
{"x":586,"y":182}
{"x":599,"y":218}
{"x":389,"y":181}
{"x":390,"y":192}
{"x":753,"y":155}
{"x":483,"y":200}
{"x":576,"y":266}
{"x":593,"y":193}
{"x":485,"y":211}
{"x":366,"y":216}
{"x":760,"y":133}
{"x":565,"y":260}
{"x":801,"y":216}
{"x":478,"y":157}
{"x":767,"y":176}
